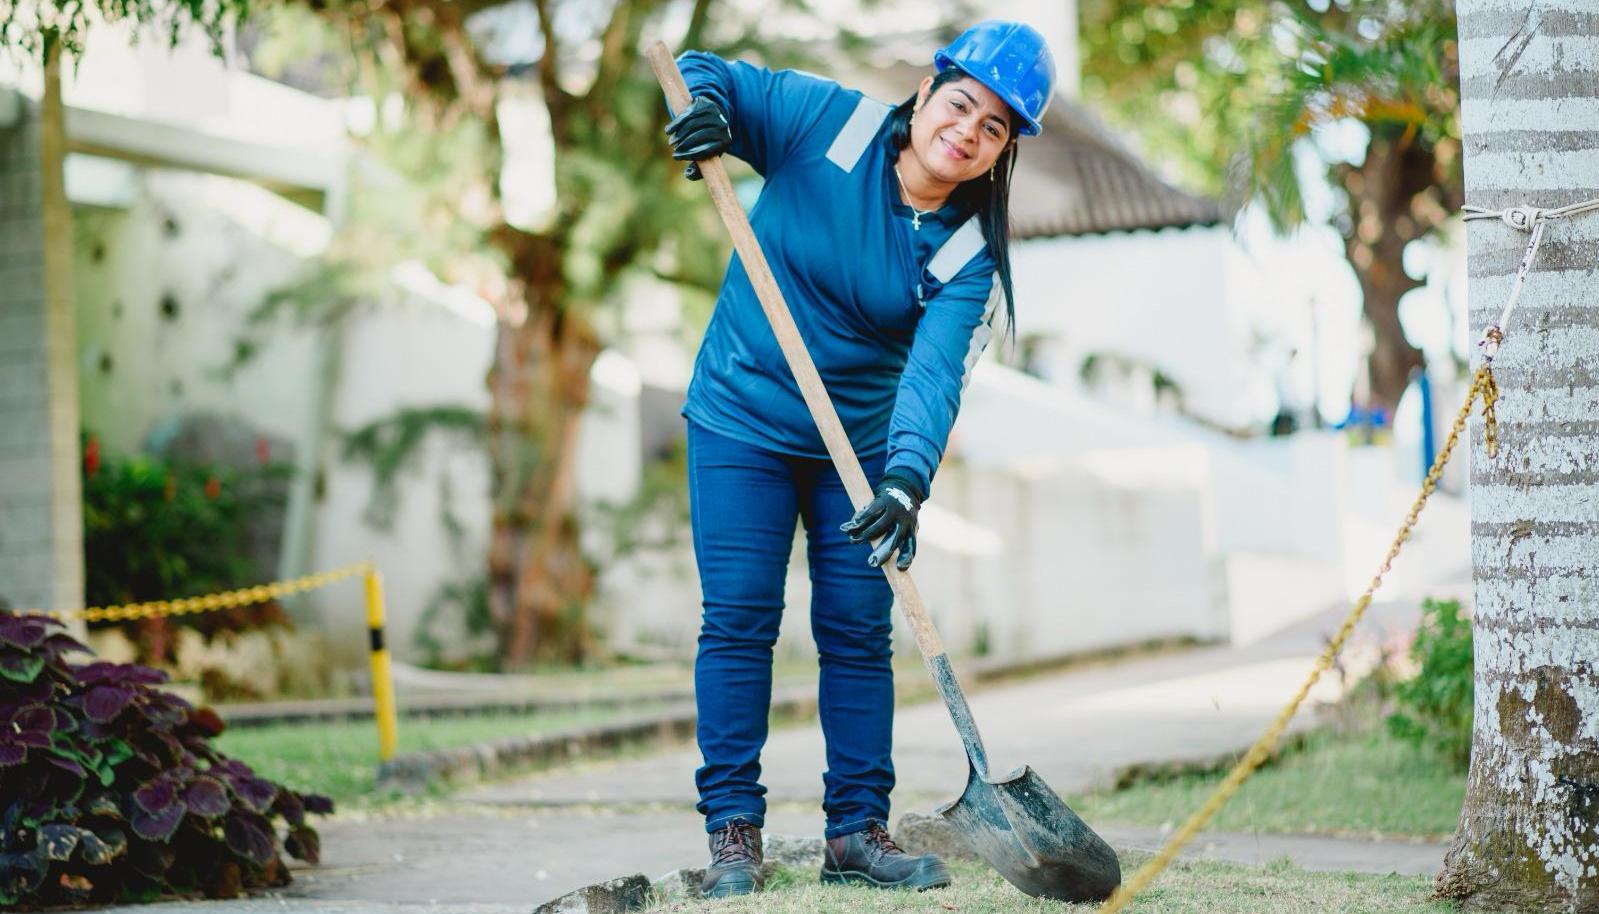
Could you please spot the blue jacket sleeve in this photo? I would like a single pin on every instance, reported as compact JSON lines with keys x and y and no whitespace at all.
{"x":770,"y":113}
{"x":951,"y":336}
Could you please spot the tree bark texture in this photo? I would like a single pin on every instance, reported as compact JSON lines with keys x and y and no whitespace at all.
{"x":1401,"y":192}
{"x":1528,"y":836}
{"x":539,"y":582}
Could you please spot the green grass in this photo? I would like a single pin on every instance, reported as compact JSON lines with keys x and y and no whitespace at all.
{"x":1185,"y":888}
{"x":1363,"y":784}
{"x":341,"y":760}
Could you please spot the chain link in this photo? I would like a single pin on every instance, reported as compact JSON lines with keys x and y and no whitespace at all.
{"x":1483,"y":384}
{"x":229,"y":599}
{"x":1521,"y":218}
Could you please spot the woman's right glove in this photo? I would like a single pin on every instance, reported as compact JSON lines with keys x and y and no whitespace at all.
{"x":700,"y":131}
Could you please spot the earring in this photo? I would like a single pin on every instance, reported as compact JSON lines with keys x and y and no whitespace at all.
{"x":991,"y":171}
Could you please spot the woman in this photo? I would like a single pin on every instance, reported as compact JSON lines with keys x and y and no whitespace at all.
{"x":886,"y":229}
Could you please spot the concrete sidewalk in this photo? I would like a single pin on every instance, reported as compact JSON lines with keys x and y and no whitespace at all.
{"x":518,"y":843}
{"x":1077,"y":729}
{"x":534,"y":838}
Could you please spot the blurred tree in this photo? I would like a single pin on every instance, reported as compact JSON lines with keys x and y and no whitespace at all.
{"x":1225,"y":88}
{"x":441,"y":94}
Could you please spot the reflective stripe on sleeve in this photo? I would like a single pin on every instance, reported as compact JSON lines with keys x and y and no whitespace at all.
{"x":983,"y":332}
{"x":857,"y":134}
{"x":957,"y":251}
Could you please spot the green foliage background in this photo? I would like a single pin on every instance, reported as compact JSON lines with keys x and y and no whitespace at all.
{"x":1434,"y":707}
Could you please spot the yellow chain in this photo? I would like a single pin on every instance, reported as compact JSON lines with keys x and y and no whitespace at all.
{"x":247,"y":596}
{"x":1483,"y":384}
{"x":1490,"y":396}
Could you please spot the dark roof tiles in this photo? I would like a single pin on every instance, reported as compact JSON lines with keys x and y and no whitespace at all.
{"x":1075,"y":178}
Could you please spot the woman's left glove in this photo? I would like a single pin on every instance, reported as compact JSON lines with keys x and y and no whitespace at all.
{"x":890,"y":515}
{"x":699,"y":132}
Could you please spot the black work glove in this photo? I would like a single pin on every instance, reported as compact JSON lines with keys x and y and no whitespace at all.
{"x":890,"y":515}
{"x":699,"y":132}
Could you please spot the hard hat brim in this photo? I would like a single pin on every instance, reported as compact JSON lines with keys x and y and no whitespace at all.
{"x":1030,"y":125}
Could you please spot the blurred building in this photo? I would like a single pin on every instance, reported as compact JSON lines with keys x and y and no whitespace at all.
{"x":1093,"y":495}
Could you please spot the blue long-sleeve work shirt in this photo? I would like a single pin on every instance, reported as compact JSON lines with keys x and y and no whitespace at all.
{"x":894,"y":317}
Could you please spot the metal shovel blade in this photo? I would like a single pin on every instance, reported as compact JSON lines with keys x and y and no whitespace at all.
{"x":1026,"y":832}
{"x":1017,"y":823}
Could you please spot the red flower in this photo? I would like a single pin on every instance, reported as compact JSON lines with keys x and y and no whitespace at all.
{"x":213,"y":487}
{"x":91,"y":456}
{"x":263,"y":451}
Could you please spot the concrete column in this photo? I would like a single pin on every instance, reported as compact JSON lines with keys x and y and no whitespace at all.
{"x":41,"y":513}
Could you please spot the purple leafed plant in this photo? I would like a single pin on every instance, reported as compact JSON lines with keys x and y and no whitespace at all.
{"x":111,"y":791}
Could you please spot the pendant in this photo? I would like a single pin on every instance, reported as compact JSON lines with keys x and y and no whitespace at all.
{"x":916,"y":220}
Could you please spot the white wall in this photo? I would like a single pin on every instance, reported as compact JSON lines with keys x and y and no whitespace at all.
{"x":163,"y":292}
{"x":412,"y":352}
{"x":1182,"y":300}
{"x":1059,"y":525}
{"x":188,"y":86}
{"x":1266,"y":510}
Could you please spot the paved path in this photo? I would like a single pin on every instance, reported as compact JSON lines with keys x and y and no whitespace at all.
{"x":1076,"y":729}
{"x":514,"y":844}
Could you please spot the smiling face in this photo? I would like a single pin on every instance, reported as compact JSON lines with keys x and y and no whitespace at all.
{"x":959,"y":130}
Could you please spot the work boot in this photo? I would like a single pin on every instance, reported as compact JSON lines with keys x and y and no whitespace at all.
{"x":735,"y":867}
{"x":872,"y":858}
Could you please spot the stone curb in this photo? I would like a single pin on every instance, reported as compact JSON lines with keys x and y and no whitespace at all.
{"x":340,"y":710}
{"x":415,"y":771}
{"x":932,"y":834}
{"x":511,"y":701}
{"x":628,"y":893}
{"x":794,"y":851}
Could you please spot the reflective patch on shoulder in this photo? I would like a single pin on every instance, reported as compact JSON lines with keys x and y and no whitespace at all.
{"x":957,"y":251}
{"x":983,"y":332}
{"x":857,"y":133}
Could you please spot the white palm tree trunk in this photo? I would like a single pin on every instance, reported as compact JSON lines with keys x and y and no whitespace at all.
{"x":1528,"y":836}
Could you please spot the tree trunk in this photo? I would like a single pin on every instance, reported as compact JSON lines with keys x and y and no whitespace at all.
{"x":65,"y":485}
{"x":1528,"y":837}
{"x":1386,"y":213}
{"x":539,"y":580}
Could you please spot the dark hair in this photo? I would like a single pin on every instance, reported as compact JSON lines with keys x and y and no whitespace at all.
{"x":989,"y":200}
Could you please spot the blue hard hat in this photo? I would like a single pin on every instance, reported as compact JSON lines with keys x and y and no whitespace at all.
{"x":1012,"y":60}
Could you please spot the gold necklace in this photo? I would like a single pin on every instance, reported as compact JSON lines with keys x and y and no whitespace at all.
{"x":916,"y":214}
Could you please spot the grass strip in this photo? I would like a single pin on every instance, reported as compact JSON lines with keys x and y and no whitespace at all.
{"x":1364,"y":784}
{"x":341,"y":759}
{"x":1197,"y":887}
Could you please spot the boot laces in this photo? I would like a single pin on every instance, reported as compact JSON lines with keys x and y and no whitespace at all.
{"x":733,"y":844}
{"x":877,"y":835}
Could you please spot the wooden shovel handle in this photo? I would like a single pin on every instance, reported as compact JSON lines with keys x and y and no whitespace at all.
{"x":799,"y":358}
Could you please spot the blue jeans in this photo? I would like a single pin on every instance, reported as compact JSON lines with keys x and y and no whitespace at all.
{"x":744,"y":501}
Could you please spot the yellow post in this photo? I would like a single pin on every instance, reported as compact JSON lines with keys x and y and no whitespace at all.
{"x":382,"y":677}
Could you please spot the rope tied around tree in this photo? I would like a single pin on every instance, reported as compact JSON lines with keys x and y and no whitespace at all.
{"x":1522,"y":218}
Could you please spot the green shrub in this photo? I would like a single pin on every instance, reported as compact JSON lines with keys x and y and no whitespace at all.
{"x":1434,"y":707}
{"x":156,"y":529}
{"x":111,"y":789}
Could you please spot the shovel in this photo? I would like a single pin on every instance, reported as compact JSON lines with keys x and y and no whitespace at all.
{"x":1016,"y":823}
